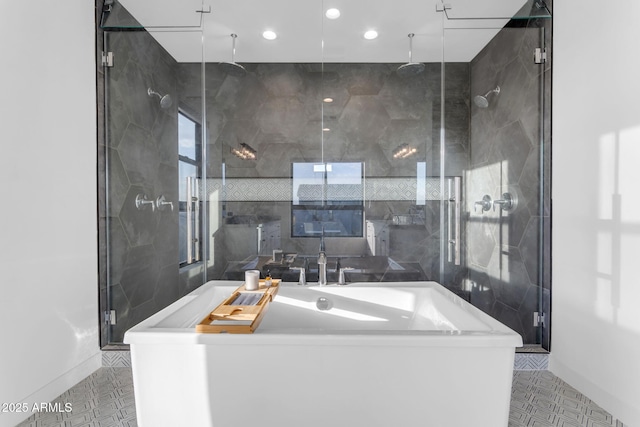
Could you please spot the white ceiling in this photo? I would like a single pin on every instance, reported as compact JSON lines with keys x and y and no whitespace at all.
{"x":306,"y":35}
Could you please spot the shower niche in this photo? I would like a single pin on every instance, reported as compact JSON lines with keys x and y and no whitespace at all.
{"x":210,"y":122}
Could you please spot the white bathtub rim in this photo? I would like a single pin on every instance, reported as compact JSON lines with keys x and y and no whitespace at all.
{"x":146,"y":332}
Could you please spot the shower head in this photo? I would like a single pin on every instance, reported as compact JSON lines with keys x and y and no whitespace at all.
{"x":482,"y":101}
{"x":165,"y":101}
{"x":411,"y":68}
{"x":233,"y":68}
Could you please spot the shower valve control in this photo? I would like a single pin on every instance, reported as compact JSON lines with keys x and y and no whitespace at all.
{"x":507,"y":203}
{"x":161,"y":203}
{"x":485,"y":204}
{"x":142,"y":202}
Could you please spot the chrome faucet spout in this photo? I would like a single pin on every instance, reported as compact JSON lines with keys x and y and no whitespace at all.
{"x":322,"y":268}
{"x":322,"y":262}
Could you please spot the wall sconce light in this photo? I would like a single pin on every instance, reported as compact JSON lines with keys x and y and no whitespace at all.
{"x":245,"y":152}
{"x":403,"y":151}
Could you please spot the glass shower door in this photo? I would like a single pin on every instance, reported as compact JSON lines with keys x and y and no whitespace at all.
{"x":146,"y":147}
{"x":502,"y":156}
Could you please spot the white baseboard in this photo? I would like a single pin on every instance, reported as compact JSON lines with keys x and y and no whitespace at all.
{"x":53,"y":389}
{"x":627,"y":413}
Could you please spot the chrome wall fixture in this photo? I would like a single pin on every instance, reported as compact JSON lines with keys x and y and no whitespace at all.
{"x":160,"y":203}
{"x":142,"y":202}
{"x":482,"y":101}
{"x":485,"y":204}
{"x":165,"y":100}
{"x":507,"y":203}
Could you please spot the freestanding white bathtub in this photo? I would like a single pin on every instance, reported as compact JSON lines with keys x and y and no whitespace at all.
{"x":377,"y":354}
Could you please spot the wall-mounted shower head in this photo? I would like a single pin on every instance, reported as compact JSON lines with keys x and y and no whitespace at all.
{"x":410,"y":68}
{"x":482,"y":101}
{"x":233,"y":68}
{"x":165,"y":101}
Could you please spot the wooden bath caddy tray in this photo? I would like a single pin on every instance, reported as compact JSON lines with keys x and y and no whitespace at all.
{"x":242,"y":312}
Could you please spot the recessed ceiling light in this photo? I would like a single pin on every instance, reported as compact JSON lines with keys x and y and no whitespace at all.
{"x":325,"y":129}
{"x":371,"y":34}
{"x":328,"y":100}
{"x":332,"y":13}
{"x":269,"y":35}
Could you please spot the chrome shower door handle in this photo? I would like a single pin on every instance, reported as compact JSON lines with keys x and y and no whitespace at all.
{"x":196,"y":221}
{"x":189,"y":210}
{"x":453,"y":229}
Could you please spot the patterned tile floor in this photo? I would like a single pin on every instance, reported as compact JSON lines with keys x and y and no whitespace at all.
{"x":539,"y":399}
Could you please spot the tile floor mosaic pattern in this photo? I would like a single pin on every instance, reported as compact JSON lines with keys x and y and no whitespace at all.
{"x":539,"y":399}
{"x":103,"y":399}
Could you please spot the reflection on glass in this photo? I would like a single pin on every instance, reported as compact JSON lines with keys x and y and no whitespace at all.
{"x":329,"y":197}
{"x":189,"y":171}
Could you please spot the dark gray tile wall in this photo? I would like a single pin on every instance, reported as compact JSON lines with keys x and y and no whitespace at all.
{"x":277,"y":109}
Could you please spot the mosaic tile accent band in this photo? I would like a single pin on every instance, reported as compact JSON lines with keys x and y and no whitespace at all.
{"x":531,"y":362}
{"x":522,"y":362}
{"x":116,"y":359}
{"x":281,"y":189}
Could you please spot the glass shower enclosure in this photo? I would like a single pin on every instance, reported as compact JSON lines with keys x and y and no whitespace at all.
{"x":419,"y":154}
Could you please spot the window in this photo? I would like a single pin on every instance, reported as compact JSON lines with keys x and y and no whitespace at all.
{"x":189,"y":173}
{"x":327,"y":197}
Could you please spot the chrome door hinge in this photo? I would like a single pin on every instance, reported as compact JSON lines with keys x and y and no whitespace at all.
{"x":107,"y":59}
{"x":204,"y":11}
{"x":538,"y":319}
{"x":110,"y":317}
{"x":539,"y":55}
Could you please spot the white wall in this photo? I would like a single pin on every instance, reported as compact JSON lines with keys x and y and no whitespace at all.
{"x":596,"y":202}
{"x":48,"y":281}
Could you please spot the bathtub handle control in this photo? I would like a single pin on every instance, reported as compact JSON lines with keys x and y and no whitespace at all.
{"x":341,"y":279}
{"x":302,"y":279}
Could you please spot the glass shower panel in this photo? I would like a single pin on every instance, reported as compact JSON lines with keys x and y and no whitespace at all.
{"x":141,"y":264}
{"x":263,"y":117}
{"x":380,"y":108}
{"x":224,"y":150}
{"x":496,"y":141}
